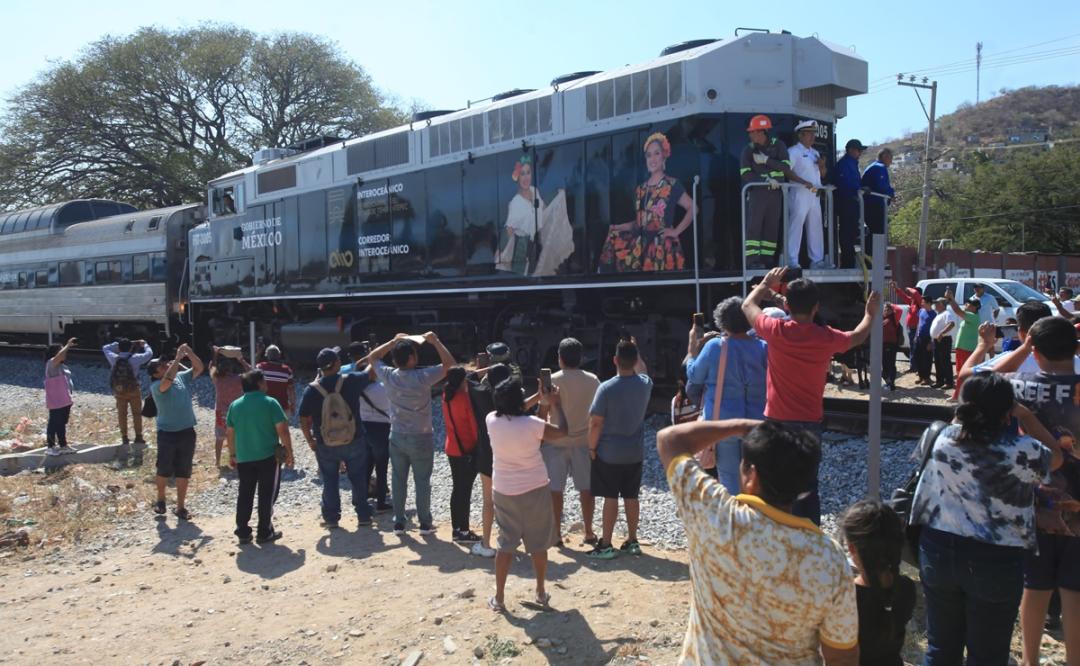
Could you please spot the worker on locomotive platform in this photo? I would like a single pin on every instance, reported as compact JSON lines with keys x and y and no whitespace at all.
{"x":848,"y":181}
{"x":804,"y":206}
{"x":764,"y":160}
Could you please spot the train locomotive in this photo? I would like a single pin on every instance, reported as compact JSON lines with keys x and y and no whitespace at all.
{"x":506,"y":220}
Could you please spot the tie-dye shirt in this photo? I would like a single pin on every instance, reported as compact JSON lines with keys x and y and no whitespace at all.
{"x":982,"y":491}
{"x":768,"y":587}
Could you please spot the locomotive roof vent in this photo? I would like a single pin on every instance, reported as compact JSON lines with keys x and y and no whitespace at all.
{"x":421,"y":116}
{"x":314,"y":143}
{"x":566,"y":78}
{"x":686,"y":46}
{"x":264,"y":155}
{"x":511,"y":93}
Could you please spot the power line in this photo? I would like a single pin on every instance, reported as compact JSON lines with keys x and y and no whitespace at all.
{"x":988,"y":63}
{"x":970,"y":60}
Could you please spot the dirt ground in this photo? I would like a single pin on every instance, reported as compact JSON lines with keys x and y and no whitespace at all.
{"x":188,"y":594}
{"x":906,"y":389}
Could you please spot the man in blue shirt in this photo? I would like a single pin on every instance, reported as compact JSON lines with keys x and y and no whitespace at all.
{"x":876,"y":177}
{"x":617,"y":446}
{"x":846,"y":199}
{"x":125,"y":385}
{"x":924,"y":344}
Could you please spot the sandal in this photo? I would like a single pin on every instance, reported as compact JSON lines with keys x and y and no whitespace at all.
{"x":543,"y":601}
{"x":182,"y":513}
{"x":590,"y":540}
{"x":494,"y":605}
{"x":159,"y":507}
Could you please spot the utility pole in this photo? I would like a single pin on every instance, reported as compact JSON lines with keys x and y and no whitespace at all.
{"x":978,"y":69}
{"x":924,"y":219}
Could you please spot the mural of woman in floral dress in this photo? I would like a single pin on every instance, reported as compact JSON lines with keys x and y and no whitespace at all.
{"x":651,"y":241}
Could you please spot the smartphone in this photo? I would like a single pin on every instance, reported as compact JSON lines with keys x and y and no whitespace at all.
{"x":699,"y":319}
{"x":545,"y":379}
{"x":483,"y":360}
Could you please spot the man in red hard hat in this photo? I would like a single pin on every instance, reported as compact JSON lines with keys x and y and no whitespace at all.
{"x":764,"y":160}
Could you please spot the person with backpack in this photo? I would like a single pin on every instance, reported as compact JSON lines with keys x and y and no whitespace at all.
{"x":330,"y":424}
{"x":411,"y":434}
{"x":975,"y":501}
{"x":461,"y":439}
{"x":125,"y":359}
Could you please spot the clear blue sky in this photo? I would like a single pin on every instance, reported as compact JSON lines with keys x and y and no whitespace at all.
{"x":444,"y":53}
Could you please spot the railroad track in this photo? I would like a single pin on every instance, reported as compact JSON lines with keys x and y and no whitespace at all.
{"x":898,"y":419}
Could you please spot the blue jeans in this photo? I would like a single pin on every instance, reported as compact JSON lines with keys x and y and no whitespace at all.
{"x":911,"y":347}
{"x":416,"y":451}
{"x":728,"y":459}
{"x":377,"y":436}
{"x":355,"y":457}
{"x":972,"y":592}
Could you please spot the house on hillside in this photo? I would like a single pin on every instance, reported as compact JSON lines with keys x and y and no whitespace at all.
{"x":946,"y":164}
{"x":1021,"y":135}
{"x":905,"y":160}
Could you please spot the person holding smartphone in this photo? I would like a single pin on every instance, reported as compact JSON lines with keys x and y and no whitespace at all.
{"x":569,"y":456}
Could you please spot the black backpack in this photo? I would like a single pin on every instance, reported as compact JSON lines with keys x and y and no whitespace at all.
{"x":122,"y":377}
{"x":903,"y":497}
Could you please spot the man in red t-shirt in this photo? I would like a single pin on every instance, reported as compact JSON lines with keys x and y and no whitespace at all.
{"x":799,"y":354}
{"x":279,"y":379}
{"x":913,"y":297}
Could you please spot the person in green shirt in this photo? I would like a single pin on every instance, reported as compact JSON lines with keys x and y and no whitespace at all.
{"x":968,"y":336}
{"x":255,"y":423}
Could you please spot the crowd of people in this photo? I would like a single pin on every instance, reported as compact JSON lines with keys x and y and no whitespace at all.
{"x":997,"y":500}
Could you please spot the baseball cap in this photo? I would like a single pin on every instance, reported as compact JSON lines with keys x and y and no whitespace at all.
{"x":327,"y":356}
{"x":942,"y":300}
{"x":273,"y":353}
{"x":854,"y":143}
{"x":153,"y":364}
{"x":974,"y":300}
{"x":499,"y":352}
{"x":774,"y":312}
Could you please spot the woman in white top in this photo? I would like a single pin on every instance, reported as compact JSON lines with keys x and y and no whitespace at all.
{"x":523,"y":221}
{"x":523,"y":510}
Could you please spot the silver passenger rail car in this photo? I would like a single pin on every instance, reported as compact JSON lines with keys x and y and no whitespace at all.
{"x":94,"y":279}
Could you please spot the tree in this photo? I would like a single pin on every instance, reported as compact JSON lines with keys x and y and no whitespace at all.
{"x":1026,"y":202}
{"x":151,"y":117}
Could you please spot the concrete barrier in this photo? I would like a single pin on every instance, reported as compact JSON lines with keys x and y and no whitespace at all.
{"x":13,"y":463}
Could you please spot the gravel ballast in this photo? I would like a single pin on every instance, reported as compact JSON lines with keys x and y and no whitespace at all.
{"x":842,"y":474}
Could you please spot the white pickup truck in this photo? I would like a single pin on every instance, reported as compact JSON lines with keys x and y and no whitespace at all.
{"x":1010,"y":294}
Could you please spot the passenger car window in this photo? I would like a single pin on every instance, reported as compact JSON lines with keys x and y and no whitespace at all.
{"x":140,"y":268}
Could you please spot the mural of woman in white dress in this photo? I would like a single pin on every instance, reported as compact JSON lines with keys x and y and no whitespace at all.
{"x":528,"y":221}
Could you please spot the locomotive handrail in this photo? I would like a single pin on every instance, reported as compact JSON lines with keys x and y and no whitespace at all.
{"x":863,"y":236}
{"x":784,"y":187}
{"x":697,"y":241}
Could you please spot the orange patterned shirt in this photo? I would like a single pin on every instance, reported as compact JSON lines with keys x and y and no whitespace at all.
{"x":768,"y":587}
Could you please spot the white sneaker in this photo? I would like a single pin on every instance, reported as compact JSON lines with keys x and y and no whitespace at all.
{"x":482,"y":550}
{"x":52,"y":451}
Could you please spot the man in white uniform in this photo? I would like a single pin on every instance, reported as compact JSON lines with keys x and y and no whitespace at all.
{"x":803,"y":205}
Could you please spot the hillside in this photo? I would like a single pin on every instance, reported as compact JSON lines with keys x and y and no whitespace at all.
{"x":1021,"y":116}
